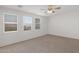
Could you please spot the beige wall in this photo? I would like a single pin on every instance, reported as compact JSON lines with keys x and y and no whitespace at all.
{"x":12,"y":37}
{"x":65,"y":24}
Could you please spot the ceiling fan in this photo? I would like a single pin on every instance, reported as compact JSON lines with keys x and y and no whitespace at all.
{"x":20,"y":6}
{"x":51,"y":9}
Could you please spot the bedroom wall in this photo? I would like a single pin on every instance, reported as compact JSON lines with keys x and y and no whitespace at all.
{"x":65,"y":24}
{"x":13,"y":37}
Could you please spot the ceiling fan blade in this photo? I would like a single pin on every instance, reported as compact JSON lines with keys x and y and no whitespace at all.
{"x":53,"y":11}
{"x":58,"y":8}
{"x":20,"y":6}
{"x":42,"y":9}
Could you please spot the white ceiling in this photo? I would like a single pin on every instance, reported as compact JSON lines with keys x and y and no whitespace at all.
{"x":36,"y":9}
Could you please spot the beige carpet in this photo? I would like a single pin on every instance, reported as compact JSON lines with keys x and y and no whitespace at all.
{"x":44,"y":44}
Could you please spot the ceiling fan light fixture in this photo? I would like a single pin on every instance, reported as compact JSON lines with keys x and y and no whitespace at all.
{"x":49,"y":11}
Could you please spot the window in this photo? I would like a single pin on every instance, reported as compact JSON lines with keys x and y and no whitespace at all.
{"x":37,"y":23}
{"x":10,"y":23}
{"x":27,"y":22}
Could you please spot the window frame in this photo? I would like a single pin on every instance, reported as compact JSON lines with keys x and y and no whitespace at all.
{"x":37,"y":23}
{"x":31,"y":24}
{"x":9,"y":23}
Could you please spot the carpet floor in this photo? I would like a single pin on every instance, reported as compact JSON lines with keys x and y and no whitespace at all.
{"x":44,"y":44}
